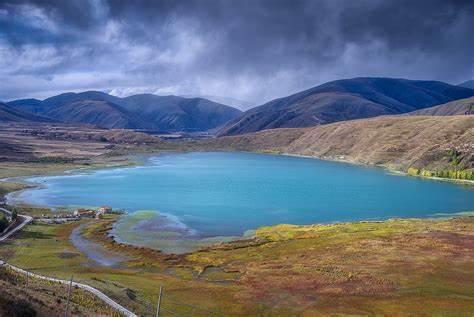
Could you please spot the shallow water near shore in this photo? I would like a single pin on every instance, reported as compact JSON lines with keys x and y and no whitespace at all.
{"x":94,"y":251}
{"x":177,"y":199}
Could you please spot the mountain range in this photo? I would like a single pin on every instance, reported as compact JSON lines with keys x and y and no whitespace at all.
{"x":144,"y":112}
{"x":339,"y":100}
{"x":345,"y":99}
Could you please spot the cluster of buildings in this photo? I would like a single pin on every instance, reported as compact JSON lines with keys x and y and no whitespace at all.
{"x":76,"y":215}
{"x":92,"y":213}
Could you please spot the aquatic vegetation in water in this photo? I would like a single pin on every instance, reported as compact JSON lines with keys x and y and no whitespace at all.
{"x":163,"y":232}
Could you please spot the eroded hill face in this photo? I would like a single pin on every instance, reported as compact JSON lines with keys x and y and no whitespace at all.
{"x":345,"y":100}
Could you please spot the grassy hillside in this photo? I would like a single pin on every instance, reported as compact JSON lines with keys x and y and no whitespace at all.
{"x":457,"y":107}
{"x":33,"y":297}
{"x":29,"y":148}
{"x":422,"y":145}
{"x":398,"y":142}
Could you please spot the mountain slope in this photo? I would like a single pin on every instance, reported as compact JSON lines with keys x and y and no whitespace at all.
{"x":468,"y":84}
{"x":166,"y":113}
{"x":29,"y":105}
{"x":69,"y":97}
{"x":345,"y":100}
{"x":399,"y":142}
{"x":232,"y":102}
{"x":456,"y":107}
{"x":99,"y":113}
{"x":11,"y":114}
{"x":179,"y":113}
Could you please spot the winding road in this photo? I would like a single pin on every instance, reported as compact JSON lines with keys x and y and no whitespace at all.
{"x":26,"y":220}
{"x":96,"y":292}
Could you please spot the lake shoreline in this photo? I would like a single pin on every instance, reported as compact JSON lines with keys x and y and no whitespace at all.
{"x":351,"y":263}
{"x":384,"y":167}
{"x":142,"y":162}
{"x":137,"y":160}
{"x":100,"y":233}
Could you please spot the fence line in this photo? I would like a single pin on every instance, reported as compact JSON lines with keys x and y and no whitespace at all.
{"x":85,"y":287}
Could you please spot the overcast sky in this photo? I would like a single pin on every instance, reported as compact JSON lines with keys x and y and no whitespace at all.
{"x":249,"y":50}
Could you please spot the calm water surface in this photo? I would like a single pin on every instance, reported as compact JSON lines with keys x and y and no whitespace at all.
{"x":222,"y":194}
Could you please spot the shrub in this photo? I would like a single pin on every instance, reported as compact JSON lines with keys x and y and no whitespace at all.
{"x":454,"y":157}
{"x":20,"y":308}
{"x":3,"y":222}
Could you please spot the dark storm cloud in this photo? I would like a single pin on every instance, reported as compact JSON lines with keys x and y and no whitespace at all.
{"x":251,"y":50}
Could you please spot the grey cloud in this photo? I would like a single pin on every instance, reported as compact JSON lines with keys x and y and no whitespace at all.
{"x":249,"y":50}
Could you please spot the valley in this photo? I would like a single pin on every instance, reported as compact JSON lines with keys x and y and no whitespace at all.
{"x":359,"y":267}
{"x":192,"y":158}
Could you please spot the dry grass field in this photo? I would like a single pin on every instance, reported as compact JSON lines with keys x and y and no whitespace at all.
{"x":395,"y":268}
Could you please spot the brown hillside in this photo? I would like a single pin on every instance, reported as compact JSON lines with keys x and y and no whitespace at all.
{"x":346,"y":99}
{"x":398,"y":142}
{"x":456,"y":107}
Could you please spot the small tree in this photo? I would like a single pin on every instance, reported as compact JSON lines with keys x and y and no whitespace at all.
{"x":14,"y":214}
{"x":3,"y":222}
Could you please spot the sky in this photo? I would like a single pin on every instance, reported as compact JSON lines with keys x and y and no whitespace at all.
{"x":247,"y":50}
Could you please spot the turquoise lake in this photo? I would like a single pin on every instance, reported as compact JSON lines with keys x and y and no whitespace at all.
{"x":201,"y":195}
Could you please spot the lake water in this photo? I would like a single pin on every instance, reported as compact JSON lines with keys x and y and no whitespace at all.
{"x":198,"y":196}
